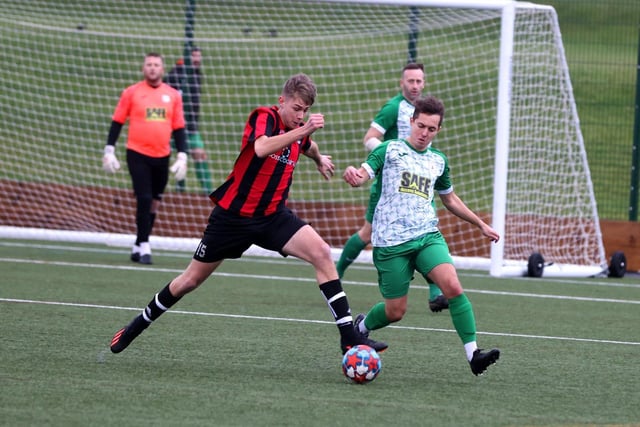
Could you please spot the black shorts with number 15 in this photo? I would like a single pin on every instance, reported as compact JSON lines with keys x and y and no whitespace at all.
{"x":229,"y":235}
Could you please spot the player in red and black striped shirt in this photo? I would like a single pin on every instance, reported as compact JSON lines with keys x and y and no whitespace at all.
{"x":259,"y":184}
{"x":251,"y":209}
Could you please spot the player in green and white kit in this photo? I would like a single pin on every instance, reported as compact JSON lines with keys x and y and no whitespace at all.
{"x":391,"y":122}
{"x":405,"y":233}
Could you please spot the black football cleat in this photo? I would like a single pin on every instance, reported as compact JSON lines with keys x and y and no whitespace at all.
{"x":146,"y":259}
{"x":364,"y":339}
{"x":378,"y":346}
{"x":482,"y":359}
{"x":356,"y":324}
{"x":438,"y":304}
{"x":126,"y":335}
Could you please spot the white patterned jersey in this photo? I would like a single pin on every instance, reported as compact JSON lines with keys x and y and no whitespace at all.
{"x":407,"y":180}
{"x":394,"y":118}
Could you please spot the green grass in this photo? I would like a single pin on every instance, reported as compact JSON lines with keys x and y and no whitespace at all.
{"x":254,"y":345}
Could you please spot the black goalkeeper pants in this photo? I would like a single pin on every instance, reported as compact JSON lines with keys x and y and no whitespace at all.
{"x":149,"y":177}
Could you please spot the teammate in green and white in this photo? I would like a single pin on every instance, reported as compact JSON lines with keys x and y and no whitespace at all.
{"x":391,"y":122}
{"x":405,"y":233}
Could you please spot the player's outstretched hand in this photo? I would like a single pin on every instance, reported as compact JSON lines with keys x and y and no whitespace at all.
{"x":353,"y":177}
{"x":109,"y":161}
{"x":326,"y":167}
{"x":179,"y":167}
{"x":490,"y":233}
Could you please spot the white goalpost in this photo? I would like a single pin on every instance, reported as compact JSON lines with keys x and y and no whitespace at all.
{"x":511,"y":131}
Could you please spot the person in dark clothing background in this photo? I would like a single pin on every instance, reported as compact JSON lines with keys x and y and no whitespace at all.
{"x":187,"y":78}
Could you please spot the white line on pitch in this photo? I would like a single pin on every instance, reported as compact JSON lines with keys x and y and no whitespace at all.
{"x":287,"y":261}
{"x":285,"y":319}
{"x":306,"y":279}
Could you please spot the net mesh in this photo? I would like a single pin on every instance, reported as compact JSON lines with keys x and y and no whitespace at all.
{"x":66,"y":63}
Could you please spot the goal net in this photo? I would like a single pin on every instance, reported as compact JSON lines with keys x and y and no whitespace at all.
{"x":511,"y":130}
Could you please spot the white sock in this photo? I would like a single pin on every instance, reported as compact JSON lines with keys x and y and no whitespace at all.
{"x":145,"y":248}
{"x":135,"y":249}
{"x":470,"y":347}
{"x":363,"y":329}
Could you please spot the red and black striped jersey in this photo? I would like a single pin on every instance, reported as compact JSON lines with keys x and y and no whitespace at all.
{"x":260,"y":186}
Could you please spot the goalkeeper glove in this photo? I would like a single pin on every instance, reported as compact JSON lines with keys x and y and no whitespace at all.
{"x":179,"y":167}
{"x":109,"y":161}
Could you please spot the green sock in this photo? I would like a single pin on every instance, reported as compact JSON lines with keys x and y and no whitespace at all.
{"x":434,"y":291}
{"x":350,"y":252}
{"x":463,"y":319}
{"x":376,"y":317}
{"x":204,"y":176}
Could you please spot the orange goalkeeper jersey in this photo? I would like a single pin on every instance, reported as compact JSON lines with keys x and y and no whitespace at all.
{"x":153,"y":113}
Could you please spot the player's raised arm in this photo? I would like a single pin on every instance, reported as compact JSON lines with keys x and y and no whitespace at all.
{"x":266,"y":145}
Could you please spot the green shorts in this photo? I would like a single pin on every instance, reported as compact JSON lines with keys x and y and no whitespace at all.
{"x":195,"y":141}
{"x":396,"y":264}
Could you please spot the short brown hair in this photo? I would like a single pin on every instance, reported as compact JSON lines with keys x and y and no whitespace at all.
{"x":302,"y":86}
{"x":154,"y":55}
{"x":413,"y":66}
{"x":429,"y":105}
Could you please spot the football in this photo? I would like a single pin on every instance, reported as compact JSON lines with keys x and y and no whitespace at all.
{"x":361,"y":364}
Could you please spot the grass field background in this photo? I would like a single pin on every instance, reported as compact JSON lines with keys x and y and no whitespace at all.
{"x":255,"y":345}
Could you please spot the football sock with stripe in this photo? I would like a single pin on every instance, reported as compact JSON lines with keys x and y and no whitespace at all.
{"x":161,"y":302}
{"x":339,"y":305}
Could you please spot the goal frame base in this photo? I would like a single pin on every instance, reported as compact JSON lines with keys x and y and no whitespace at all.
{"x":511,"y":268}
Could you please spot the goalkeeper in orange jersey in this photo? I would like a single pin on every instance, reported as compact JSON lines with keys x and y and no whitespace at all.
{"x":155,"y":113}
